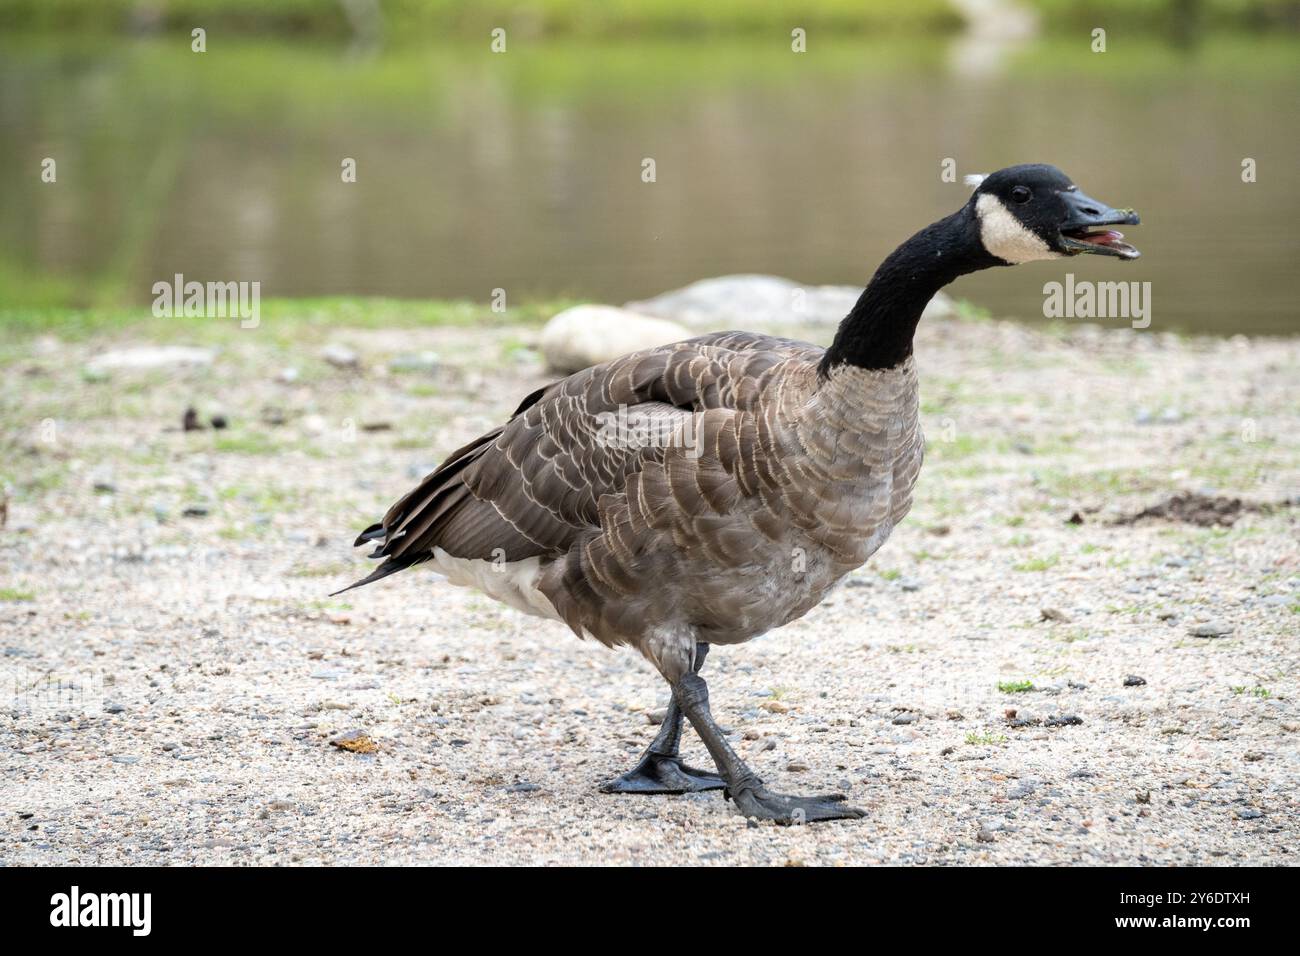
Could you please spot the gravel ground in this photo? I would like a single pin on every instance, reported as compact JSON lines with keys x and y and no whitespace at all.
{"x":999,"y":685}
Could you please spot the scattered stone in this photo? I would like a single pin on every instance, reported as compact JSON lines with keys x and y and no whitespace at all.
{"x":356,"y":742}
{"x":1022,"y":789}
{"x":1064,"y":720}
{"x":219,"y":422}
{"x":149,"y":357}
{"x":523,"y":786}
{"x":287,"y":376}
{"x":905,"y":718}
{"x":1210,"y":629}
{"x":1132,"y":680}
{"x":190,"y":421}
{"x":774,"y":707}
{"x":1052,"y":614}
{"x":426,"y":362}
{"x":1075,"y":518}
{"x":340,"y":356}
{"x":795,"y":766}
{"x":1143,"y":796}
{"x":1250,"y":813}
{"x":909,"y":584}
{"x":655,"y":717}
{"x":114,"y":708}
{"x":195,"y":511}
{"x":754,"y":301}
{"x":587,"y":335}
{"x":273,"y":415}
{"x":986,"y":836}
{"x":376,"y":426}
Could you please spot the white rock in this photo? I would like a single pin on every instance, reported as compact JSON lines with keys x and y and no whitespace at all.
{"x":150,"y":356}
{"x":590,"y":334}
{"x":340,"y":356}
{"x":754,"y":301}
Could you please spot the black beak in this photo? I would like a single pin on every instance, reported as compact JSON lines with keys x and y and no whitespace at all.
{"x":1085,"y":227}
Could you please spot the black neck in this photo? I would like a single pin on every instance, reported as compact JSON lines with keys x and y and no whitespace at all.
{"x":878,"y":332}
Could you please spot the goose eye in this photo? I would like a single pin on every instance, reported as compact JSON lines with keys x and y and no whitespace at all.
{"x":1021,"y":194}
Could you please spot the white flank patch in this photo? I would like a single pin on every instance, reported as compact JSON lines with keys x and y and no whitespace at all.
{"x":1005,"y":237}
{"x":510,"y":582}
{"x":973,"y":180}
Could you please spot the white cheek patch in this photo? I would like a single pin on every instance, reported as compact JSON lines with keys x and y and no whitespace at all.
{"x":1004,"y":236}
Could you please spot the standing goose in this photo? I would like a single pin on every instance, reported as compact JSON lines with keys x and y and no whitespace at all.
{"x":708,"y":491}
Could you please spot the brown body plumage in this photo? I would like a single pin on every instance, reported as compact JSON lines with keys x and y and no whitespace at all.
{"x":751,"y":486}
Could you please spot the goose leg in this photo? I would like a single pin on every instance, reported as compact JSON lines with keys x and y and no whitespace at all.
{"x":660,"y":770}
{"x":752,"y":798}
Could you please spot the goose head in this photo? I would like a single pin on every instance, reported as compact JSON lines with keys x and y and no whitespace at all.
{"x":1035,"y":211}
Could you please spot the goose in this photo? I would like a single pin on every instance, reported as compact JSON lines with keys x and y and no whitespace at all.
{"x":708,"y":491}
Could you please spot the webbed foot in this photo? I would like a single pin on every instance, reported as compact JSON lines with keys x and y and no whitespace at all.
{"x":657,"y":773}
{"x":754,"y":800}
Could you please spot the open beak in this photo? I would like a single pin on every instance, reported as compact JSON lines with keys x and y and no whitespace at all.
{"x":1085,"y":229}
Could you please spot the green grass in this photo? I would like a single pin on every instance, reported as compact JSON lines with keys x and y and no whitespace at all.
{"x":13,"y":594}
{"x":1263,"y":693}
{"x":1037,"y":564}
{"x":246,"y":443}
{"x":408,"y":19}
{"x":282,"y":320}
{"x":985,"y":738}
{"x":405,"y":19}
{"x":329,"y":570}
{"x":1015,"y":686}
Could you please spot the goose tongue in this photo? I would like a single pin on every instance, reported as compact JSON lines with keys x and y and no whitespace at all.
{"x":1107,"y":237}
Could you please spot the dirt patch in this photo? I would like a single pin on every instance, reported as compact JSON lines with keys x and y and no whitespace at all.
{"x":1191,"y":508}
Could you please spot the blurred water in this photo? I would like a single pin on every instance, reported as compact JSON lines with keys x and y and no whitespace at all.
{"x":523,"y":171}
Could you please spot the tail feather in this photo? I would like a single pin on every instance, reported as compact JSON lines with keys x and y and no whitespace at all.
{"x":391,"y":566}
{"x":370,"y":534}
